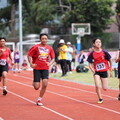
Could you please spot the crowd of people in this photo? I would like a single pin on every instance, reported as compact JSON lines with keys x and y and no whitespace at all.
{"x":41,"y":58}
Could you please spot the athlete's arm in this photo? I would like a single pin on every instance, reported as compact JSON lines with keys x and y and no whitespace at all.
{"x":30,"y":61}
{"x":110,"y":69}
{"x":51,"y":62}
{"x":12,"y":60}
{"x":91,"y":67}
{"x":117,"y":57}
{"x":110,"y":65}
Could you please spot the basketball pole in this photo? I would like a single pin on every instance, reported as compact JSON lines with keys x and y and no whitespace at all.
{"x":78,"y":43}
{"x":20,"y":32}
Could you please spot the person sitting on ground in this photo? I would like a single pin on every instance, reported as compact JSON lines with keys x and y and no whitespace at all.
{"x":24,"y":65}
{"x":81,"y":57}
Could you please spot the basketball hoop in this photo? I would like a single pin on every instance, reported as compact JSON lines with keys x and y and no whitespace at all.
{"x":81,"y":31}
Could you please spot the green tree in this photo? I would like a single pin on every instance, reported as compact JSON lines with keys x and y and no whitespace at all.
{"x":36,"y":14}
{"x":7,"y":17}
{"x":118,"y":14}
{"x":95,"y":12}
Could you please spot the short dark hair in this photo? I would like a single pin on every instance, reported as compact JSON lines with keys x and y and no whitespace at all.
{"x":2,"y":38}
{"x":95,"y":39}
{"x":42,"y":34}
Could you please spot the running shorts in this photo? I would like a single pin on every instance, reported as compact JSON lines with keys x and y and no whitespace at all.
{"x":40,"y":74}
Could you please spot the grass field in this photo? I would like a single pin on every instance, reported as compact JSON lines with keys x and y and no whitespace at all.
{"x":85,"y":78}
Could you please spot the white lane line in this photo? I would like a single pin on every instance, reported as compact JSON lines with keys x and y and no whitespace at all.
{"x":1,"y":118}
{"x":64,"y":116}
{"x":71,"y":88}
{"x":80,"y":101}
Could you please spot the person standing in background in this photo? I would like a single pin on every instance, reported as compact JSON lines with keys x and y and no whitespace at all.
{"x":5,"y":54}
{"x":81,"y":57}
{"x":16,"y":60}
{"x":69,"y":56}
{"x":74,"y":56}
{"x":118,"y":61}
{"x":63,"y":57}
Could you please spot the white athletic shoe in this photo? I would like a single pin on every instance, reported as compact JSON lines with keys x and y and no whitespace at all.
{"x":39,"y":103}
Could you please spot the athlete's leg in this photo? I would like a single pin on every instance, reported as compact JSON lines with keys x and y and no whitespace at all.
{"x":42,"y":91}
{"x":4,"y":77}
{"x":4,"y":81}
{"x":44,"y":86}
{"x":119,"y":86}
{"x":36,"y":85}
{"x":119,"y":91}
{"x":97,"y":85}
{"x":36,"y":81}
{"x":104,"y":83}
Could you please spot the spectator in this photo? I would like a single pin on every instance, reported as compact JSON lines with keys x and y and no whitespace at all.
{"x":54,"y":69}
{"x":74,"y":56}
{"x":16,"y":60}
{"x":24,"y":65}
{"x":63,"y":57}
{"x":81,"y":57}
{"x":69,"y":56}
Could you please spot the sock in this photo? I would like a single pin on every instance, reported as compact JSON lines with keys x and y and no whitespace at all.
{"x":40,"y":98}
{"x":4,"y":87}
{"x":100,"y":99}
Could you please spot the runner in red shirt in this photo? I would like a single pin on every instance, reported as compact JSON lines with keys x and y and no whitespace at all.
{"x":40,"y":57}
{"x":5,"y":54}
{"x":99,"y":63}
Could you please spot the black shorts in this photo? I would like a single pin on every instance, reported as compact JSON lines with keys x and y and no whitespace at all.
{"x":102,"y":74}
{"x":73,"y":60}
{"x":3,"y":68}
{"x":40,"y":74}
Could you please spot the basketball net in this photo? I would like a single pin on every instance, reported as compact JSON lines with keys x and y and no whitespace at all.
{"x":81,"y":31}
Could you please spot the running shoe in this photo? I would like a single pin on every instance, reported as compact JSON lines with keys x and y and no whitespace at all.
{"x":4,"y":92}
{"x":100,"y":101}
{"x":119,"y":97}
{"x":39,"y":103}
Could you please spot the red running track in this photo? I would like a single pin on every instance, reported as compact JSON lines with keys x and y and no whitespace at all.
{"x":63,"y":100}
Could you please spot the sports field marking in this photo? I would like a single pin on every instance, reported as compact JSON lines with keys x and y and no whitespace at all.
{"x":80,"y":101}
{"x":71,"y":88}
{"x":1,"y":118}
{"x":64,"y":116}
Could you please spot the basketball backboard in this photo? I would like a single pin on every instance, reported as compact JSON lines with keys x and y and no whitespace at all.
{"x":81,"y":29}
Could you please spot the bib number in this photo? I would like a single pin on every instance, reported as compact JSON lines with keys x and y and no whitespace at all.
{"x":17,"y":57}
{"x":100,"y":66}
{"x":2,"y":62}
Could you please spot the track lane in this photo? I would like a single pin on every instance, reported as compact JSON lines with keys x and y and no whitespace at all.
{"x":60,"y":101}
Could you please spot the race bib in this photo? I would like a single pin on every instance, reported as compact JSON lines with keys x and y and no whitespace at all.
{"x":17,"y":57}
{"x":100,"y":66}
{"x":2,"y":62}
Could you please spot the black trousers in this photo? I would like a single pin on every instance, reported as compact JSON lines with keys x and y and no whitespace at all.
{"x":63,"y":64}
{"x":69,"y":65}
